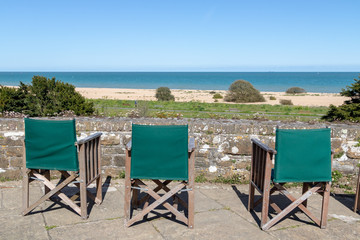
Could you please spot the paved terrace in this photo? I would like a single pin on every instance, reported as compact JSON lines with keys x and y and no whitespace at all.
{"x":220,"y":213}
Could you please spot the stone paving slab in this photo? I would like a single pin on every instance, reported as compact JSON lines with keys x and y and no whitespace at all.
{"x":220,"y":213}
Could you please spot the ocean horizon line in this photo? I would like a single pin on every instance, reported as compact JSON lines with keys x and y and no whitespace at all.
{"x":317,"y":82}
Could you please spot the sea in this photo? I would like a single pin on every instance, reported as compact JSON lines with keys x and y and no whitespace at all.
{"x":322,"y":82}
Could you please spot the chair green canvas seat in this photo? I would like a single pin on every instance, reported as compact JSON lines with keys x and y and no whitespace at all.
{"x":51,"y":145}
{"x":154,"y":158}
{"x":300,"y":155}
{"x":162,"y":154}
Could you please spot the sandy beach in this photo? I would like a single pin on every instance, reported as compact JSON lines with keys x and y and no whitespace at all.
{"x":308,"y":99}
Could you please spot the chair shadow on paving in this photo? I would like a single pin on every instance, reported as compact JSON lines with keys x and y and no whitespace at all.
{"x":280,"y":200}
{"x":347,"y":200}
{"x":70,"y":191}
{"x":160,"y":211}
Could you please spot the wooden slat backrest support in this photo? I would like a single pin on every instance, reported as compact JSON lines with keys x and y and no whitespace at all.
{"x":261,"y":163}
{"x":89,"y":158}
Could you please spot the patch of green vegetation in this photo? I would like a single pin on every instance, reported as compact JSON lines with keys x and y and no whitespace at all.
{"x":349,"y":192}
{"x":122,"y":174}
{"x":233,"y":161}
{"x":272,"y":98}
{"x":200,"y":178}
{"x":4,"y":179}
{"x":336,"y":176}
{"x":344,"y":186}
{"x":248,"y":168}
{"x":233,"y":179}
{"x":339,"y":154}
{"x":217,"y":96}
{"x":50,"y":227}
{"x":119,"y":108}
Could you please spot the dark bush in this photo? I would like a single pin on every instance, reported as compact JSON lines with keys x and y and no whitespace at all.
{"x":242,"y":91}
{"x":295,"y":90}
{"x":164,"y":94}
{"x":217,"y":96}
{"x":272,"y":98}
{"x":350,"y":110}
{"x":286,"y":102}
{"x":44,"y":97}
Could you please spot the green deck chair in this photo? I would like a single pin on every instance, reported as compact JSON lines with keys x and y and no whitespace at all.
{"x":161,"y":154}
{"x":302,"y":156}
{"x":51,"y":145}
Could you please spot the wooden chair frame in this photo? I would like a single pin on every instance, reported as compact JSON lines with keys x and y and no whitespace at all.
{"x":134,"y":186}
{"x":89,"y":150}
{"x":260,"y":179}
{"x":357,"y":195}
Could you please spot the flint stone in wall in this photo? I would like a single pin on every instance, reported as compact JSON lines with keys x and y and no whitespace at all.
{"x":201,"y":162}
{"x":119,"y":160}
{"x":106,"y":160}
{"x":114,"y":172}
{"x":353,"y":150}
{"x":16,"y":162}
{"x":110,"y":139}
{"x":4,"y":162}
{"x":14,"y":151}
{"x":112,"y":150}
{"x":347,"y":167}
{"x":11,"y":174}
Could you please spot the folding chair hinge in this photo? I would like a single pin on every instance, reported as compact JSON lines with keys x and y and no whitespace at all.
{"x":185,"y":190}
{"x":80,"y":181}
{"x":139,"y":188}
{"x":37,"y":179}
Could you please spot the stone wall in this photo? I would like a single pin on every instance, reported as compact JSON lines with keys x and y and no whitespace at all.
{"x":223,"y":147}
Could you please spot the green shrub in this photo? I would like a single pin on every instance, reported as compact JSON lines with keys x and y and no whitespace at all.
{"x":217,"y":96}
{"x":286,"y":102}
{"x":295,"y":90}
{"x":272,"y":98}
{"x":164,"y":94}
{"x":44,"y":97}
{"x":242,"y":91}
{"x":350,"y":110}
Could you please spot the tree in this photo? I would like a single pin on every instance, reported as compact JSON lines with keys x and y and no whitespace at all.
{"x":350,"y":110}
{"x":164,"y":94}
{"x":242,"y":91}
{"x":44,"y":97}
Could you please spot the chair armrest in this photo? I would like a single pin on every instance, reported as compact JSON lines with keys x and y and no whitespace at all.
{"x":89,"y":138}
{"x":191,"y":145}
{"x":263,"y":146}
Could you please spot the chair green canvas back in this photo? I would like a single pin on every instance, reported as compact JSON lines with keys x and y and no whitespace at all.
{"x":50,"y":144}
{"x":159,"y":152}
{"x":303,"y":155}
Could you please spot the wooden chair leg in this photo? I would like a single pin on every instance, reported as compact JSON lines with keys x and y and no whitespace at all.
{"x":251,"y":196}
{"x":265,"y":207}
{"x":47,"y":176}
{"x":304,"y":190}
{"x":98,"y":198}
{"x":25,"y":187}
{"x":191,"y":209}
{"x":83,"y":200}
{"x":357,"y":195}
{"x":325,"y":205}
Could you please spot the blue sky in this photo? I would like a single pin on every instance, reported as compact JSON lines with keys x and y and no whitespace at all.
{"x":186,"y":35}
